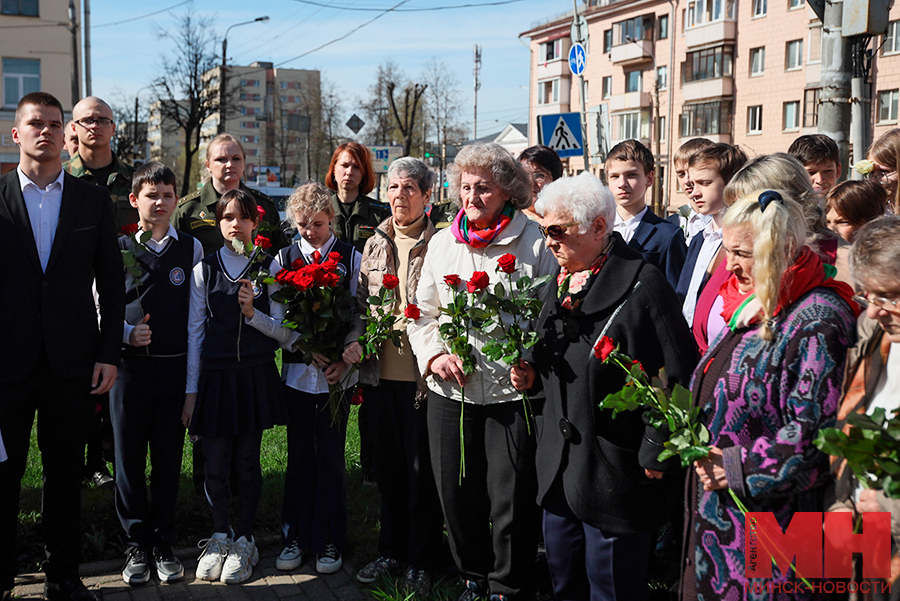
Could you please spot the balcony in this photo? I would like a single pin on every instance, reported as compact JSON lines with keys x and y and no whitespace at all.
{"x":632,"y":52}
{"x":629,"y":101}
{"x":710,"y":33}
{"x":708,"y":88}
{"x":556,"y":68}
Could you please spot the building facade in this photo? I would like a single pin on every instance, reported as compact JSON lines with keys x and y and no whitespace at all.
{"x":662,"y":72}
{"x":35,"y":55}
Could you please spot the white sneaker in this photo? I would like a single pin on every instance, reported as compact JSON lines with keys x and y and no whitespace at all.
{"x":242,"y":556}
{"x":330,"y":561}
{"x":215,"y":549}
{"x":292,"y":557}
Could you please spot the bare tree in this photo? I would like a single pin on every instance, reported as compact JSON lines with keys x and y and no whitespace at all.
{"x":406,"y":116}
{"x":185,"y":96}
{"x":130,"y":140}
{"x":380,"y":127}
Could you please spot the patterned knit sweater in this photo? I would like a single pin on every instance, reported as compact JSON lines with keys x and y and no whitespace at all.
{"x":764,"y":403}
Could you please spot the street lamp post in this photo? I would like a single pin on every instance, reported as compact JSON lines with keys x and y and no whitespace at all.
{"x":72,"y":26}
{"x":223,"y":78}
{"x":657,"y":202}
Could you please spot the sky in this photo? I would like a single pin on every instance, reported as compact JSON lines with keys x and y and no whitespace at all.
{"x":126,"y":56}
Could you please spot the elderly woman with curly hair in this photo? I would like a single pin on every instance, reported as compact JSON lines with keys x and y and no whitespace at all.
{"x":765,"y":388}
{"x":489,"y":511}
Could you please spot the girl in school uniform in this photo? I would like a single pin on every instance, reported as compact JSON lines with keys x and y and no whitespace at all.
{"x":233,"y":386}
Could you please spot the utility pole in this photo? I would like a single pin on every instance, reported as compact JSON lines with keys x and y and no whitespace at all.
{"x":476,"y":71}
{"x":223,"y":75}
{"x":861,"y":102}
{"x":73,"y":29}
{"x":87,"y":47}
{"x":579,"y":36}
{"x":834,"y":97}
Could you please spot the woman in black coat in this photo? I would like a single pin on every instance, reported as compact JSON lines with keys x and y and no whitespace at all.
{"x":601,"y":504}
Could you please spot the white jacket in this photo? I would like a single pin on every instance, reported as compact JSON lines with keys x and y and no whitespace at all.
{"x":489,"y":383}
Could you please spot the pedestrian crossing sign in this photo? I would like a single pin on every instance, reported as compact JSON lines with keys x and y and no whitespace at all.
{"x":562,"y":133}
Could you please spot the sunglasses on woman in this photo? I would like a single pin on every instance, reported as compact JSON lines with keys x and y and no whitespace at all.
{"x":557,"y":231}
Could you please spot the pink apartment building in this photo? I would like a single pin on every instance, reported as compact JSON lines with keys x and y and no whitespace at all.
{"x":743,"y":72}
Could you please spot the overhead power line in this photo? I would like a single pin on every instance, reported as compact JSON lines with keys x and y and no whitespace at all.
{"x":409,"y":10}
{"x":141,"y":17}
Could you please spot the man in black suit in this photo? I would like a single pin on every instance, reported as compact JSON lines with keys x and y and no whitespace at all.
{"x":58,"y":239}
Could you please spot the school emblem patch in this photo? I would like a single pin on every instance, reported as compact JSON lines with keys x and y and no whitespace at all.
{"x":176,"y":276}
{"x":257,"y":290}
{"x":341,"y":270}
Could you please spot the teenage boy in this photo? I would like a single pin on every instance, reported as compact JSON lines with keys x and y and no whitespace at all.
{"x":709,"y":170}
{"x":819,"y":154}
{"x":629,"y":170}
{"x":54,"y":355}
{"x":146,"y":408}
{"x":687,"y":218}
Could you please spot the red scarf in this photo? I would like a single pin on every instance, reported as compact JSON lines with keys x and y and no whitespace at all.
{"x":806,"y":273}
{"x":464,"y":230}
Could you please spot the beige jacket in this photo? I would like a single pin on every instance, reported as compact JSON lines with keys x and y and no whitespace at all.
{"x":380,"y":258}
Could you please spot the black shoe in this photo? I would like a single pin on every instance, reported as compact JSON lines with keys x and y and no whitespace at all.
{"x":168,"y":567}
{"x":6,"y":596}
{"x":470,"y":593}
{"x":137,"y":566}
{"x":70,"y":589}
{"x":102,"y":478}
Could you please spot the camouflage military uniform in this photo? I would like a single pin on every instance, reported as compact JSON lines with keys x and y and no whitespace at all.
{"x":442,"y":214}
{"x":196,"y":215}
{"x":360,"y":226}
{"x":118,"y":184}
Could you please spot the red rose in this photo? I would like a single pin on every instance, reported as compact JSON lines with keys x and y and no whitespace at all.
{"x":638,"y":363}
{"x":452,"y":280}
{"x":390,"y":281}
{"x":262,"y":242}
{"x":334,"y":256}
{"x":479,"y":282}
{"x":604,"y":347}
{"x":260,"y":212}
{"x":305,"y":280}
{"x":298,"y":263}
{"x":131,"y":229}
{"x":507,"y":263}
{"x":412,"y":311}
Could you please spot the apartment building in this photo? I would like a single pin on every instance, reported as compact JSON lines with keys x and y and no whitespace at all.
{"x":35,"y":54}
{"x":739,"y":72}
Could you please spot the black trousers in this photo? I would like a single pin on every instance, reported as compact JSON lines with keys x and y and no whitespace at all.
{"x":219,"y":453}
{"x":64,"y":407}
{"x":411,"y":518}
{"x":490,"y":514}
{"x":145,"y":409}
{"x":315,"y":481}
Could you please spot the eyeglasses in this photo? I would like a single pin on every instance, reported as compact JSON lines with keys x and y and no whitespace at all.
{"x":557,"y":231}
{"x":539,"y":177}
{"x":864,"y":300}
{"x":88,"y":123}
{"x":882,"y":176}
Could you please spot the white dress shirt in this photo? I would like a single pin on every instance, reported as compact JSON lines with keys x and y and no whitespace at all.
{"x":694,"y":224}
{"x":311,"y":378}
{"x":626,"y":227}
{"x":887,"y":390}
{"x":43,"y":212}
{"x":712,"y":242}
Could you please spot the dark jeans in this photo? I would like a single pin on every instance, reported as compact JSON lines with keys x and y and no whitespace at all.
{"x":586,"y":564}
{"x":218,"y":455}
{"x":315,"y":493}
{"x":490,"y":514}
{"x":411,"y":519}
{"x":64,"y":408}
{"x":145,"y":409}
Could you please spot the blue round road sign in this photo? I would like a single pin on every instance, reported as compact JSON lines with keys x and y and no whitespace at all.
{"x":577,"y":58}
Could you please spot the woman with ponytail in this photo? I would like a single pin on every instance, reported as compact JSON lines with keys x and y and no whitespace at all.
{"x":765,"y":388}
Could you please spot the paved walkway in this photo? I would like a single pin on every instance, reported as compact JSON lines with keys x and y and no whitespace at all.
{"x":267,"y":583}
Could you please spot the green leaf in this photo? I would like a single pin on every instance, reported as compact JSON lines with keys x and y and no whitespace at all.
{"x":499,"y":290}
{"x":523,"y":282}
{"x":374,"y":300}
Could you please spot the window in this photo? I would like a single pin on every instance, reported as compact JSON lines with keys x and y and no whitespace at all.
{"x":638,"y":28}
{"x":662,"y":129}
{"x":550,"y":51}
{"x":252,"y":152}
{"x":757,"y":61}
{"x":22,"y":8}
{"x":795,"y":4}
{"x":759,"y":8}
{"x":711,"y":63}
{"x":250,"y":83}
{"x":249,"y":124}
{"x":663,"y":27}
{"x":249,"y":139}
{"x":633,"y":81}
{"x":607,"y":87}
{"x":891,"y":38}
{"x":706,"y":119}
{"x":793,"y":55}
{"x":627,"y":126}
{"x":548,"y":92}
{"x":791,"y":116}
{"x":20,"y":76}
{"x":607,"y":41}
{"x":662,"y":77}
{"x":815,"y":44}
{"x":811,"y":108}
{"x":887,"y":106}
{"x":249,"y":110}
{"x":754,"y":119}
{"x":700,"y":12}
{"x":252,"y":97}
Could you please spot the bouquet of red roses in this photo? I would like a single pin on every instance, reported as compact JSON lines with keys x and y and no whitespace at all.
{"x":320,"y":310}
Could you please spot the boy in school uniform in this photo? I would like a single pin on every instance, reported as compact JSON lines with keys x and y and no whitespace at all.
{"x":147,"y":399}
{"x":629,"y":171}
{"x":694,"y":222}
{"x":819,"y":155}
